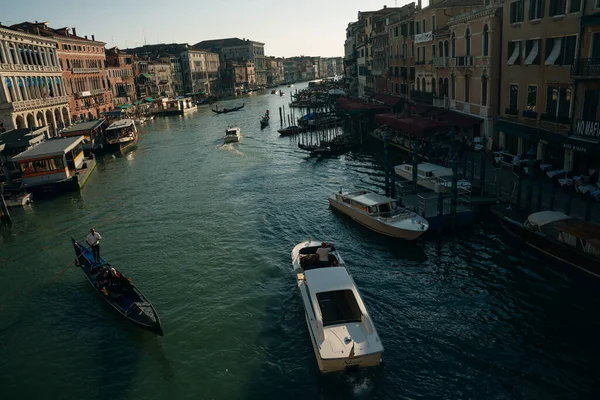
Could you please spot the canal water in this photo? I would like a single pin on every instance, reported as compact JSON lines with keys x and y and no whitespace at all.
{"x":206,"y":231}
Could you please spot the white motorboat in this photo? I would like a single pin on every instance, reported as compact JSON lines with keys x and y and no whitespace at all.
{"x":232,"y":134}
{"x":380,"y":213}
{"x":341,"y":330}
{"x":17,"y":198}
{"x":121,"y":135}
{"x":432,"y":176}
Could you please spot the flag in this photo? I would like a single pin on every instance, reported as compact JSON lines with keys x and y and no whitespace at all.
{"x":351,"y":352}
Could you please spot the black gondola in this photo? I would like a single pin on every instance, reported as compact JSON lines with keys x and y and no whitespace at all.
{"x":264,"y":120}
{"x":226,"y":110}
{"x":120,"y":293}
{"x":291,"y":130}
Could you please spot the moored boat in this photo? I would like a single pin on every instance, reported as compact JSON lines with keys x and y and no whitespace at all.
{"x":380,"y":213}
{"x":117,"y":290}
{"x":557,"y":235}
{"x":340,"y":327}
{"x":227,"y":110}
{"x":291,"y":130}
{"x":232,"y":134}
{"x":121,"y":135}
{"x":432,"y":176}
{"x":16,"y":198}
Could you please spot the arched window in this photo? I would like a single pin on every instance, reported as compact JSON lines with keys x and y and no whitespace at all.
{"x":441,"y":49}
{"x":484,"y":84}
{"x":468,"y":41}
{"x":453,"y":87}
{"x":418,"y":85}
{"x":424,"y":84}
{"x":445,"y":86}
{"x":441,"y":88}
{"x":446,"y":50}
{"x":453,"y":44}
{"x":433,"y":85}
{"x":486,"y":40}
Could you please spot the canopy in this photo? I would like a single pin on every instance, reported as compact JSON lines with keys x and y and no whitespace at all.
{"x":149,"y":99}
{"x":148,"y":76}
{"x":386,"y":99}
{"x":355,"y":106}
{"x":124,"y":106}
{"x":580,"y":144}
{"x":336,"y":92}
{"x":416,"y":126}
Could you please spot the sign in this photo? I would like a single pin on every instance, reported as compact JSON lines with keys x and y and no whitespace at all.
{"x":574,"y":147}
{"x":587,"y":128}
{"x":424,"y":37}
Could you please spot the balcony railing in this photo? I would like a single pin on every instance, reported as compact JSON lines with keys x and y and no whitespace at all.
{"x":529,"y":114}
{"x":85,"y":70}
{"x":512,"y":111}
{"x":425,"y":97}
{"x":464,"y":61}
{"x":586,"y":68}
{"x":37,"y":103}
{"x":419,"y":62}
{"x":23,"y":67}
{"x":441,"y":101}
{"x":555,"y":118}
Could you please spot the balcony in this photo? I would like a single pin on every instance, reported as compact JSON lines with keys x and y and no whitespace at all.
{"x":586,"y":68}
{"x":419,"y":62}
{"x":423,"y":97}
{"x":557,"y":119}
{"x":512,"y":111}
{"x":39,"y":103}
{"x":529,"y":114}
{"x":463,"y":61}
{"x":441,"y":101}
{"x":22,"y":67}
{"x":85,"y":70}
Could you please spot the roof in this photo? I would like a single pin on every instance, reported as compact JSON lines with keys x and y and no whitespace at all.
{"x":387,"y":99}
{"x":546,"y":217}
{"x":22,"y":137}
{"x":49,"y":148}
{"x":220,"y":43}
{"x":454,"y":3}
{"x":583,"y":230}
{"x":328,"y":279}
{"x":83,"y":126}
{"x":122,"y":123}
{"x":370,"y":199}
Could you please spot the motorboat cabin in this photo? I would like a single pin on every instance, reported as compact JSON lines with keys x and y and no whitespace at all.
{"x":232,"y":134}
{"x":121,"y":135}
{"x":54,"y":166}
{"x":340,"y":327}
{"x":380,"y":213}
{"x":431,"y":176}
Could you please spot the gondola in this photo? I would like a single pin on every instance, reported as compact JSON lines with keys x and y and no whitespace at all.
{"x":121,"y":294}
{"x":291,"y":130}
{"x":264,"y":120}
{"x":226,"y":110}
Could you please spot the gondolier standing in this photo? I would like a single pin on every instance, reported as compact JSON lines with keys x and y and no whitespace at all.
{"x":93,"y":240}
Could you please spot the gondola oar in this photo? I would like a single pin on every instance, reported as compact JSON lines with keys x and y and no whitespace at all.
{"x":65,"y":268}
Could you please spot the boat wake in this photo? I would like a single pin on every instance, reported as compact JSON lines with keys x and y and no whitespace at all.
{"x":232,"y":148}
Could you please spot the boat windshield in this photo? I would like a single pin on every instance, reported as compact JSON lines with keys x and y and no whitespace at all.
{"x":338,"y":307}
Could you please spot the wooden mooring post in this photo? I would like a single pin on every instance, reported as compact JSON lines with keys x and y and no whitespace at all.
{"x":280,"y":117}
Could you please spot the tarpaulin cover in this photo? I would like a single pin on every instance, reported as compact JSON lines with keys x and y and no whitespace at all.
{"x":417,"y":126}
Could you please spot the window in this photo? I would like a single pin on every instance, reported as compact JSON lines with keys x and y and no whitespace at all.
{"x":418,"y":85}
{"x":423,"y":84}
{"x":513,"y":97}
{"x":424,"y":58}
{"x":558,"y":103}
{"x":558,"y":7}
{"x":453,"y":79}
{"x":423,"y":26}
{"x":338,"y":307}
{"x":486,"y":41}
{"x":433,"y":51}
{"x":575,"y":6}
{"x":516,"y":11}
{"x":453,"y":44}
{"x":397,"y":88}
{"x":531,"y":98}
{"x":467,"y":89}
{"x":484,"y":91}
{"x":468,"y":41}
{"x":395,"y":71}
{"x":403,"y":30}
{"x":560,"y":51}
{"x":590,"y":104}
{"x":418,"y":54}
{"x":446,"y":51}
{"x":433,"y":22}
{"x":395,"y":31}
{"x":433,"y":85}
{"x":417,"y":27}
{"x":441,"y":50}
{"x":532,"y":51}
{"x":536,"y":9}
{"x":514,"y":51}
{"x":412,"y":49}
{"x":412,"y":28}
{"x":595,"y":52}
{"x":403,"y":50}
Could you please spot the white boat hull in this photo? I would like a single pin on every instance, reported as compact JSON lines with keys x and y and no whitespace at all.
{"x":18,"y":201}
{"x":379,"y":226}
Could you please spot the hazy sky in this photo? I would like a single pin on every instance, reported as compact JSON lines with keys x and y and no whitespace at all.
{"x":288,"y":28}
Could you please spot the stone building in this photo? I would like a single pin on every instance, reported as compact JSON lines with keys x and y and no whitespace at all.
{"x":32,"y":88}
{"x":200,"y":71}
{"x":120,"y":76}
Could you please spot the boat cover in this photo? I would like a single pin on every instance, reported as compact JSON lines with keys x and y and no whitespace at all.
{"x":546,"y":217}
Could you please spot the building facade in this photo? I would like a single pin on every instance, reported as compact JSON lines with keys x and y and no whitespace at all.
{"x":200,"y":71}
{"x":120,"y":76}
{"x":32,"y":89}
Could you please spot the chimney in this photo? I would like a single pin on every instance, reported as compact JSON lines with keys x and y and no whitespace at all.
{"x":384,"y":7}
{"x":93,"y":38}
{"x":85,"y":37}
{"x":419,"y":4}
{"x":75,"y":31}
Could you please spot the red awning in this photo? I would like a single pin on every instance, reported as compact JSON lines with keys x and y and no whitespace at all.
{"x":356,"y":106}
{"x":420,"y":109}
{"x":416,"y":126}
{"x":386,"y":99}
{"x":457,"y":119}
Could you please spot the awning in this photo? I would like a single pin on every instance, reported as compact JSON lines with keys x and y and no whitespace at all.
{"x":148,"y":76}
{"x":355,"y":106}
{"x":416,"y":126}
{"x":518,"y":130}
{"x":386,"y":99}
{"x":137,"y":102}
{"x":149,"y":99}
{"x":548,"y":137}
{"x":583,"y":145}
{"x":421,"y":109}
{"x":113,"y":112}
{"x":124,"y":106}
{"x":459,"y":120}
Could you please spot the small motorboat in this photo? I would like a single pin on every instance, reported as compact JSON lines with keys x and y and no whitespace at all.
{"x":291,"y":130}
{"x":380,"y":213}
{"x":340,"y":327}
{"x":232,"y":134}
{"x":117,"y":290}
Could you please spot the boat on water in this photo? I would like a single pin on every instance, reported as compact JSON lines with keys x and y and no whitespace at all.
{"x":264,"y":120}
{"x":557,"y":235}
{"x":380,"y":213}
{"x":121,"y":136}
{"x":281,"y":93}
{"x":119,"y":291}
{"x":232,"y":134}
{"x":226,"y":110}
{"x":340,"y":327}
{"x":431,"y":176}
{"x":291,"y":130}
{"x":16,"y":197}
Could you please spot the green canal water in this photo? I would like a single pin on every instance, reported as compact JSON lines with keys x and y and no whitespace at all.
{"x":206,"y":231}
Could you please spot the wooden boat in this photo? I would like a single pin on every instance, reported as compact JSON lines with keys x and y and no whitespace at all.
{"x":291,"y":130}
{"x":226,"y":110}
{"x":265,"y":120}
{"x":341,"y":330}
{"x":557,"y":235}
{"x":122,"y":295}
{"x":380,"y":213}
{"x":121,"y":136}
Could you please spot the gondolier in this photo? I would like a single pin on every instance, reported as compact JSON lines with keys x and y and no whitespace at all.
{"x":93,"y":240}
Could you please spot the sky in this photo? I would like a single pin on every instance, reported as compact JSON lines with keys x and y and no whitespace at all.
{"x":288,"y":28}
